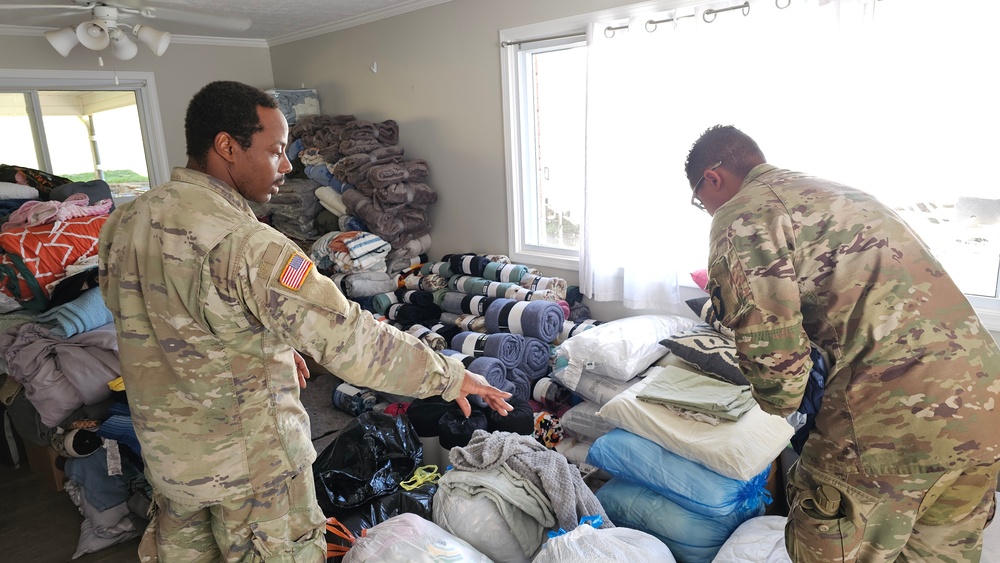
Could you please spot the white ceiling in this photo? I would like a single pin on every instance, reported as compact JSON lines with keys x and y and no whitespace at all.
{"x":274,"y":22}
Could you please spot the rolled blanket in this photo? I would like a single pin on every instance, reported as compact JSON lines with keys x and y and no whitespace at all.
{"x":396,"y":265}
{"x":440,"y":268}
{"x":351,"y":223}
{"x":415,"y":247}
{"x":409,"y":314}
{"x":491,"y":368}
{"x":465,"y":322}
{"x":382,"y":301}
{"x":508,"y":348}
{"x":84,"y":313}
{"x":538,"y":319}
{"x":364,"y":284}
{"x":432,"y":339}
{"x":330,"y":199}
{"x":382,"y":175}
{"x":499,"y":271}
{"x":385,"y":225}
{"x":447,"y":331}
{"x":518,"y":293}
{"x":571,"y":328}
{"x":427,"y":283}
{"x":357,"y":146}
{"x":521,"y":382}
{"x":501,"y":258}
{"x":459,"y":303}
{"x":468,"y":264}
{"x":473,"y":285}
{"x":535,"y":358}
{"x":404,"y":194}
{"x":535,"y":282}
{"x":419,"y":297}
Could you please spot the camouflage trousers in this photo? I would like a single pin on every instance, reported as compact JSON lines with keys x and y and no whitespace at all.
{"x":282,"y":525}
{"x":918,"y":517}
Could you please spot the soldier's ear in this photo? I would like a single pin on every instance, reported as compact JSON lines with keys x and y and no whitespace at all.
{"x":225,"y":145}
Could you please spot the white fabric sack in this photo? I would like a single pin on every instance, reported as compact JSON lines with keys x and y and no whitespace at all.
{"x":619,"y":349}
{"x":740,"y":449}
{"x":408,"y":538}
{"x":760,"y":539}
{"x":586,"y":545}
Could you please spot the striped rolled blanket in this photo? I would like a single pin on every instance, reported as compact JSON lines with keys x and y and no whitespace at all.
{"x":518,"y":293}
{"x":432,"y":339}
{"x":539,"y":319}
{"x":459,"y":302}
{"x":465,"y":322}
{"x":348,"y":252}
{"x":504,"y":272}
{"x":535,"y":358}
{"x":508,"y":348}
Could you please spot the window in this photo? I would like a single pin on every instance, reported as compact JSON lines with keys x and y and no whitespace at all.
{"x":852,"y":91}
{"x":80,"y":127}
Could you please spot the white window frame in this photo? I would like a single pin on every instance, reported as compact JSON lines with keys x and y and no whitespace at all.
{"x":141,"y":83}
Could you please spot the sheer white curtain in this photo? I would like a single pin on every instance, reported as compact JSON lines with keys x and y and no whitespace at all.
{"x":651,"y":91}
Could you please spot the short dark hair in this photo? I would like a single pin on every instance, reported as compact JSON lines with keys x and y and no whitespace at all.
{"x":737,"y":151}
{"x":223,"y":106}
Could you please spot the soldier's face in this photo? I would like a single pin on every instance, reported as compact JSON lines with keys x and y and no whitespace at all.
{"x":259,"y":171}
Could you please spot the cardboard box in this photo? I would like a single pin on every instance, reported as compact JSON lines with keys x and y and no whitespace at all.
{"x":42,"y":461}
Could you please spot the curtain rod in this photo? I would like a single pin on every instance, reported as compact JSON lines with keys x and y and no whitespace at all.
{"x":567,"y":36}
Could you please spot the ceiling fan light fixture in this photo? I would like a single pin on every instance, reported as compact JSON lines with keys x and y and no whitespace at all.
{"x":62,"y":40}
{"x":155,"y":39}
{"x":122,"y":47}
{"x":93,"y":34}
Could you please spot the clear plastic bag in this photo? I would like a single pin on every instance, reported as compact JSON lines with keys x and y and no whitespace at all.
{"x":408,"y":538}
{"x":586,"y":544}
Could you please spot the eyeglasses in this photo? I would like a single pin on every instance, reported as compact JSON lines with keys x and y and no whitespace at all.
{"x":695,"y":201}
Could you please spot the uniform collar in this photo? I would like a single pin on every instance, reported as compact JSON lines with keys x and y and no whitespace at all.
{"x":189,"y":176}
{"x":756,"y":172}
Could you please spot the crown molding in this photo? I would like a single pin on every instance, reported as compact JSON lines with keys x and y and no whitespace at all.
{"x":216,"y":41}
{"x":396,"y":10}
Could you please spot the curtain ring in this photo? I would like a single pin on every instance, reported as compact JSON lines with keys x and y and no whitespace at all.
{"x":707,"y":13}
{"x":780,"y":7}
{"x":746,"y":8}
{"x":607,"y":29}
{"x":654,"y":24}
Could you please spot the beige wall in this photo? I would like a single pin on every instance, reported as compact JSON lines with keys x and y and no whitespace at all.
{"x":439,"y":77}
{"x":179,"y":73}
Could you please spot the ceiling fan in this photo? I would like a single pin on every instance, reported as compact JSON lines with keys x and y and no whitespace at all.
{"x":103,"y":29}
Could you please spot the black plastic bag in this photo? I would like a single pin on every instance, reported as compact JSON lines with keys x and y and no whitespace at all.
{"x":370,"y":457}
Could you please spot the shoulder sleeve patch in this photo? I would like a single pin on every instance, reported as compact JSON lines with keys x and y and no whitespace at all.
{"x":294,"y":273}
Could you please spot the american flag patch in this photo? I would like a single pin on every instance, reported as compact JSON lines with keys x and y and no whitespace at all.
{"x":295,"y":271}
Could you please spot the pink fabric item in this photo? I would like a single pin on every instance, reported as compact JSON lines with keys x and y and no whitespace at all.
{"x":700,"y":277}
{"x":565,"y":307}
{"x":34,"y":213}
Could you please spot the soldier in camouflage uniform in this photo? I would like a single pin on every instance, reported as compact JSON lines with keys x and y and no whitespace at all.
{"x":903,"y":458}
{"x":210,"y":307}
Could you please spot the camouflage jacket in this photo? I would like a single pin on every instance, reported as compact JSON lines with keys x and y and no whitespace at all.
{"x":912,"y":384}
{"x":207,"y":318}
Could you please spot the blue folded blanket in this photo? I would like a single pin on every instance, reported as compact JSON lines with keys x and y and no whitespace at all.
{"x":508,"y":348}
{"x":538,"y":319}
{"x":82,"y":314}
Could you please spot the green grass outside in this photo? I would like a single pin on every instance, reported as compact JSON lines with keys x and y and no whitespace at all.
{"x":110,"y":176}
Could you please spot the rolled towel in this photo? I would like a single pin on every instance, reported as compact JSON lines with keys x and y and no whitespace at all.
{"x":459,"y":303}
{"x":535,"y":358}
{"x":465,"y":322}
{"x":504,"y":272}
{"x":508,"y":348}
{"x":82,"y":314}
{"x":538,"y":319}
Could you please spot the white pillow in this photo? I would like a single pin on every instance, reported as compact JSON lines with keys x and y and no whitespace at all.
{"x":619,"y":349}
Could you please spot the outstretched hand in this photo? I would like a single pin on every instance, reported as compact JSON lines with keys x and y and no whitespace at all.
{"x":475,"y":384}
{"x":302,"y":369}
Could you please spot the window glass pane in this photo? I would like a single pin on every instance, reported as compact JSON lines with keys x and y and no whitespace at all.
{"x":17,"y":145}
{"x":95,"y":133}
{"x":560,"y":96}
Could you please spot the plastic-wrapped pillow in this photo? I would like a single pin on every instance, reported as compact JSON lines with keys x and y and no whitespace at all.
{"x":758,"y":539}
{"x":619,"y":349}
{"x":586,"y":544}
{"x":411,"y":539}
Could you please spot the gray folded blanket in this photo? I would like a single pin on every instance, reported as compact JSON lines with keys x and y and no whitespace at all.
{"x":548,"y":470}
{"x":417,"y":195}
{"x":382,"y":175}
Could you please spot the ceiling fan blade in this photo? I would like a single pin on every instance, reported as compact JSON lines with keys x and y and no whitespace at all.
{"x":229,"y":23}
{"x":46,"y":6}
